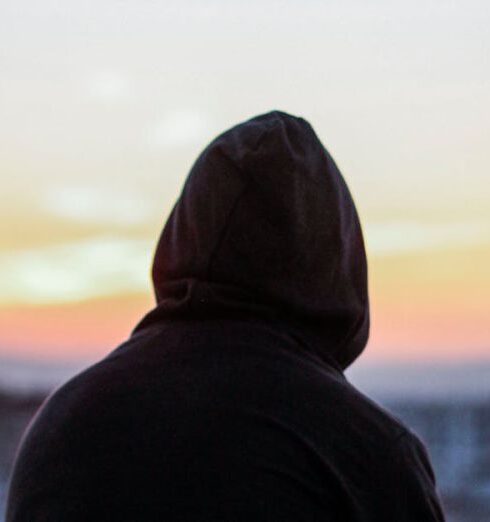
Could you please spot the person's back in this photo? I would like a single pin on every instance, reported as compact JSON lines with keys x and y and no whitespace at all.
{"x":229,"y":401}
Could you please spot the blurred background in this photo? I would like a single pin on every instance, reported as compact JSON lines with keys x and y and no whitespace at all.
{"x":104,"y":105}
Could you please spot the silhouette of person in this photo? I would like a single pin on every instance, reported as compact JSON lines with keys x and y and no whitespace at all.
{"x":228,"y":402}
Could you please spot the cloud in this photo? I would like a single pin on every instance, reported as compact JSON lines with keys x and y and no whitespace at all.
{"x":181,"y":128}
{"x":98,"y":204}
{"x":400,"y":237}
{"x":105,"y":266}
{"x":108,"y":86}
{"x":75,"y":271}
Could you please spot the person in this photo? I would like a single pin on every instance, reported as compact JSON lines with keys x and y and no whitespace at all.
{"x":228,"y":402}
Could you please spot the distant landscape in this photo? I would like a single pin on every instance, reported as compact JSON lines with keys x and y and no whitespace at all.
{"x":448,"y":406}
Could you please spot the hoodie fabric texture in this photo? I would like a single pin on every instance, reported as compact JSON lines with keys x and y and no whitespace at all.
{"x":228,"y":402}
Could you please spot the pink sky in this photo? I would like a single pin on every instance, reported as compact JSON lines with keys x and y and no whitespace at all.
{"x":420,"y":311}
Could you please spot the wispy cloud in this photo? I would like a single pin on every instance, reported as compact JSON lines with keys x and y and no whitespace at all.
{"x":401,"y":237}
{"x":75,"y":271}
{"x":181,"y":128}
{"x":108,"y":86}
{"x":106,"y":266}
{"x":98,"y":204}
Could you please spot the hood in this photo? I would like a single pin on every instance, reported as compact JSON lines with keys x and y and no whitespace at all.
{"x":265,"y":227}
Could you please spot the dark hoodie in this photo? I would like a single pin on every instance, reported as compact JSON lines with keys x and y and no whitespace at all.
{"x":228,"y":402}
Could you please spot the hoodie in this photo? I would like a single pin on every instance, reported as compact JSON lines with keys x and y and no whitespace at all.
{"x":266,"y":226}
{"x":229,"y":402}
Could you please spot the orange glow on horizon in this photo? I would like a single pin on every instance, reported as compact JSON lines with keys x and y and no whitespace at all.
{"x":83,"y":330}
{"x":405,"y":327}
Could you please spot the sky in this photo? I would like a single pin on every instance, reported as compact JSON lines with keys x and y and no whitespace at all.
{"x":104,"y":106}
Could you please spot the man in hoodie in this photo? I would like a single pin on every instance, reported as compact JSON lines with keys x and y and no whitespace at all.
{"x":228,"y":402}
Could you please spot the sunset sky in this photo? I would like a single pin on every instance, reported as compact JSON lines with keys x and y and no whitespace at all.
{"x":104,"y":105}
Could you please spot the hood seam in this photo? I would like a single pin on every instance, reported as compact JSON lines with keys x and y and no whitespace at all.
{"x":234,"y":206}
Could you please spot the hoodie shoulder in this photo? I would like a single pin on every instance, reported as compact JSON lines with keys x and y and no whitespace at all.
{"x":66,"y":450}
{"x":405,"y":488}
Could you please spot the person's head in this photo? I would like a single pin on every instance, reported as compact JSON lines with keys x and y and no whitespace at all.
{"x":266,"y":227}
